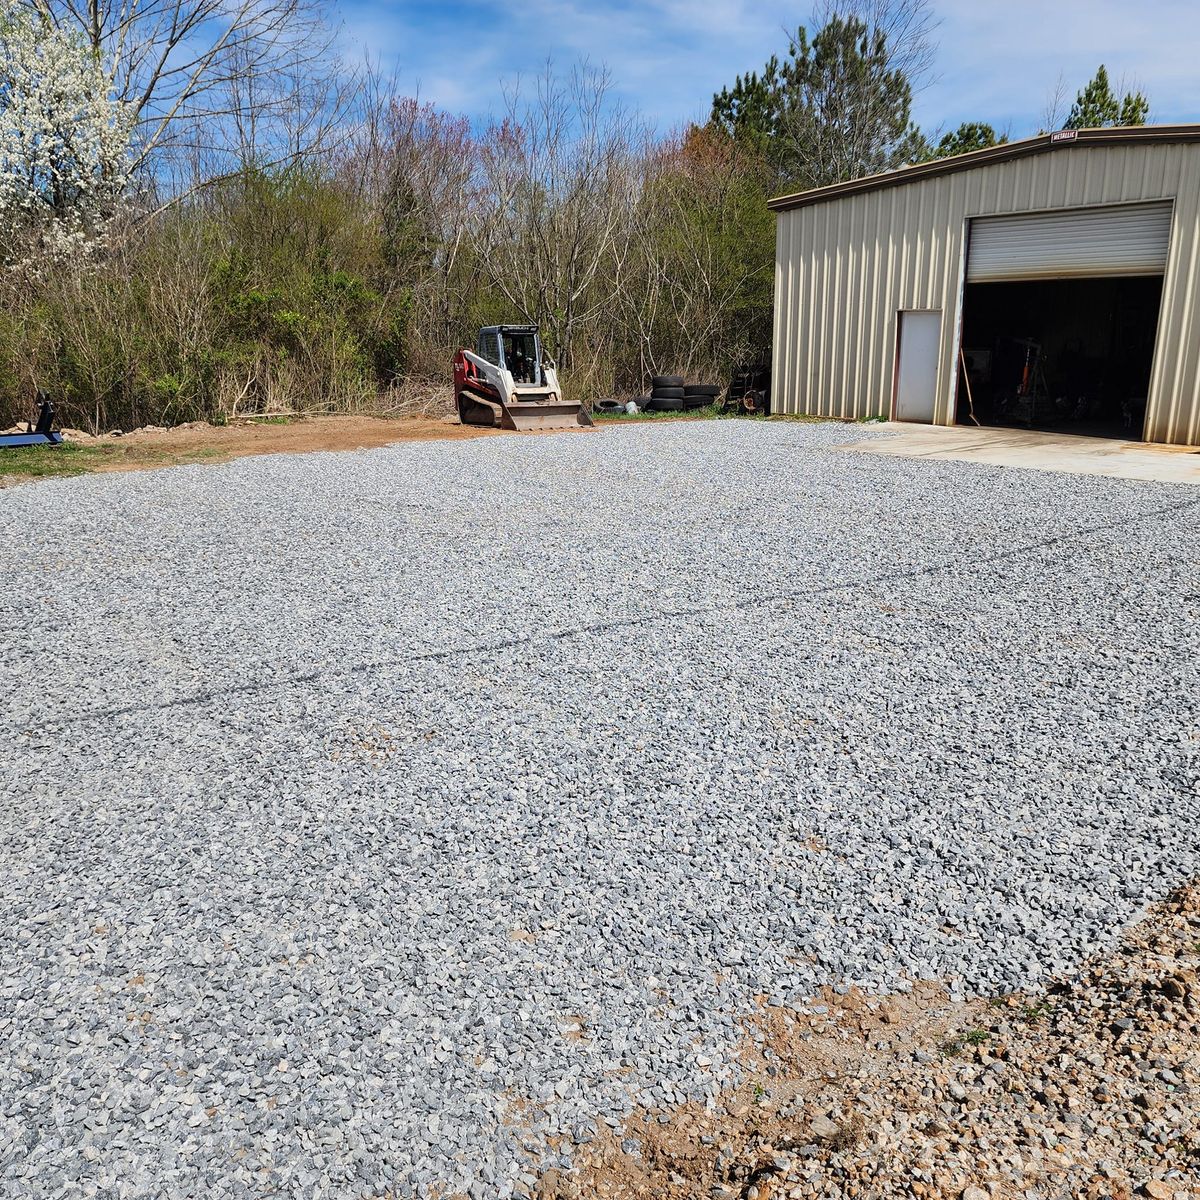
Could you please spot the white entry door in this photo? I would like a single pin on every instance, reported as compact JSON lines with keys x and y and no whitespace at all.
{"x":916,"y":376}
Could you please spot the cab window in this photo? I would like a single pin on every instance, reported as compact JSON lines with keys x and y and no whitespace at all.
{"x":488,"y":346}
{"x":520,"y":357}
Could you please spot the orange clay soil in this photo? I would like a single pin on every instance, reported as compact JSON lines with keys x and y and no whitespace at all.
{"x":1087,"y":1090}
{"x":199,"y":442}
{"x":298,"y":436}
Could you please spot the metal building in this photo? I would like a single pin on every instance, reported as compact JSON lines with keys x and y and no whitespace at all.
{"x":1048,"y":283}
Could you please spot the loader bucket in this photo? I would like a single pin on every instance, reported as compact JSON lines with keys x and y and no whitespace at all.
{"x":536,"y":416}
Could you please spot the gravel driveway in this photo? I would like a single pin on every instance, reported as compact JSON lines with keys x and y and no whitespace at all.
{"x":368,"y":817}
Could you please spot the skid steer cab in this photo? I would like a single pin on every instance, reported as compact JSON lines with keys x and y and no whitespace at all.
{"x":508,"y":382}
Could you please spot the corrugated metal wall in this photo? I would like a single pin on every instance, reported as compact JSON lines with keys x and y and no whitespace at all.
{"x":846,"y":266}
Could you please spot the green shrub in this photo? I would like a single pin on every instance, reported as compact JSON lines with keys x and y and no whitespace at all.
{"x":267,"y":295}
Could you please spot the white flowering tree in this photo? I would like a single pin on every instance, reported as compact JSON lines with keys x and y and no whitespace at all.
{"x":200,"y":77}
{"x":64,"y":141}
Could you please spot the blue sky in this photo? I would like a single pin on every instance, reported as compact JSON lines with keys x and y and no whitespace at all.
{"x":996,"y":62}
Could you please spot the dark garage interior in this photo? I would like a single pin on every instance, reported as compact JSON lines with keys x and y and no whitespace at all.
{"x":1067,"y":355}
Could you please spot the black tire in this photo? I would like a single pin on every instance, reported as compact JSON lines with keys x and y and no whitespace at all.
{"x":701,"y":389}
{"x":667,"y":393}
{"x":608,"y":405}
{"x":474,"y":411}
{"x":691,"y":403}
{"x":666,"y":381}
{"x":643,"y":402}
{"x":666,"y":404}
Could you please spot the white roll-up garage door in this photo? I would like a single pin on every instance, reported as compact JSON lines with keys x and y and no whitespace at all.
{"x":1129,"y":239}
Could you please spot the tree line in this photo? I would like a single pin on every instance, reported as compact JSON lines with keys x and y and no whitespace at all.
{"x":205,"y":214}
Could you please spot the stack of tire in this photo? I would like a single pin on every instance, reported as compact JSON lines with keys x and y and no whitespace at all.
{"x":668,"y":393}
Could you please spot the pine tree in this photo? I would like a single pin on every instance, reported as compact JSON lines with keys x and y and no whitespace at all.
{"x":749,"y":111}
{"x":970,"y":135}
{"x":837,"y":108}
{"x":1097,"y":106}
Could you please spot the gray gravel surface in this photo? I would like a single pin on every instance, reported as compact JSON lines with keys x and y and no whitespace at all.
{"x":369,"y":817}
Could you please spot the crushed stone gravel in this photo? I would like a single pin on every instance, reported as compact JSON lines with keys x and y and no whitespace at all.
{"x":389,"y":822}
{"x":1085,"y":1089}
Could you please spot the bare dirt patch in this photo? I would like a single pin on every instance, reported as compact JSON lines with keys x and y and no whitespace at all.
{"x":302,"y":436}
{"x":1089,"y":1090}
{"x":199,"y":442}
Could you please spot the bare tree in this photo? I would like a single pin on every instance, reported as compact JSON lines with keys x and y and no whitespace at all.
{"x":1058,"y":103}
{"x":288,"y":111}
{"x":909,"y":27}
{"x":559,"y":179}
{"x":182,"y":66}
{"x":700,"y":222}
{"x":414,"y":168}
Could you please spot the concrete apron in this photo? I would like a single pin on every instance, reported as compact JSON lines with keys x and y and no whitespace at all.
{"x":1070,"y":453}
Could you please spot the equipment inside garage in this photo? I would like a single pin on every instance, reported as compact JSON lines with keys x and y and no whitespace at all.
{"x":1067,"y":354}
{"x":1060,"y":314}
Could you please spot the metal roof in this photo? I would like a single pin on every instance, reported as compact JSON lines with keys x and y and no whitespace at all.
{"x":1042,"y":144}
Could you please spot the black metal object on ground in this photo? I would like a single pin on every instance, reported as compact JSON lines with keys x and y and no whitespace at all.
{"x":749,"y":392}
{"x":41,"y":434}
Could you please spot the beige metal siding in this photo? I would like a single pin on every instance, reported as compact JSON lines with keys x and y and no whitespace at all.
{"x":846,"y":266}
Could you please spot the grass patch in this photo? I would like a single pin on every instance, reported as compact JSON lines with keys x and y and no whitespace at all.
{"x":1035,"y":1012}
{"x":714,"y":412}
{"x":50,"y":462}
{"x":956,"y":1045}
{"x":40,"y":462}
{"x":708,"y":413}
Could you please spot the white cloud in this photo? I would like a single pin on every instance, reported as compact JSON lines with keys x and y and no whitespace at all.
{"x":996,"y":62}
{"x":1000,"y":63}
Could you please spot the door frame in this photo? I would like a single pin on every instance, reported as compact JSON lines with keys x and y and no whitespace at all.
{"x":892,"y":414}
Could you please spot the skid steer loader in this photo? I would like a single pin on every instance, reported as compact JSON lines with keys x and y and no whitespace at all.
{"x":508,"y":382}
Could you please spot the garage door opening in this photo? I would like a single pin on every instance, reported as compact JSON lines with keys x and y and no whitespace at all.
{"x":1065,"y":355}
{"x":1060,"y":313}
